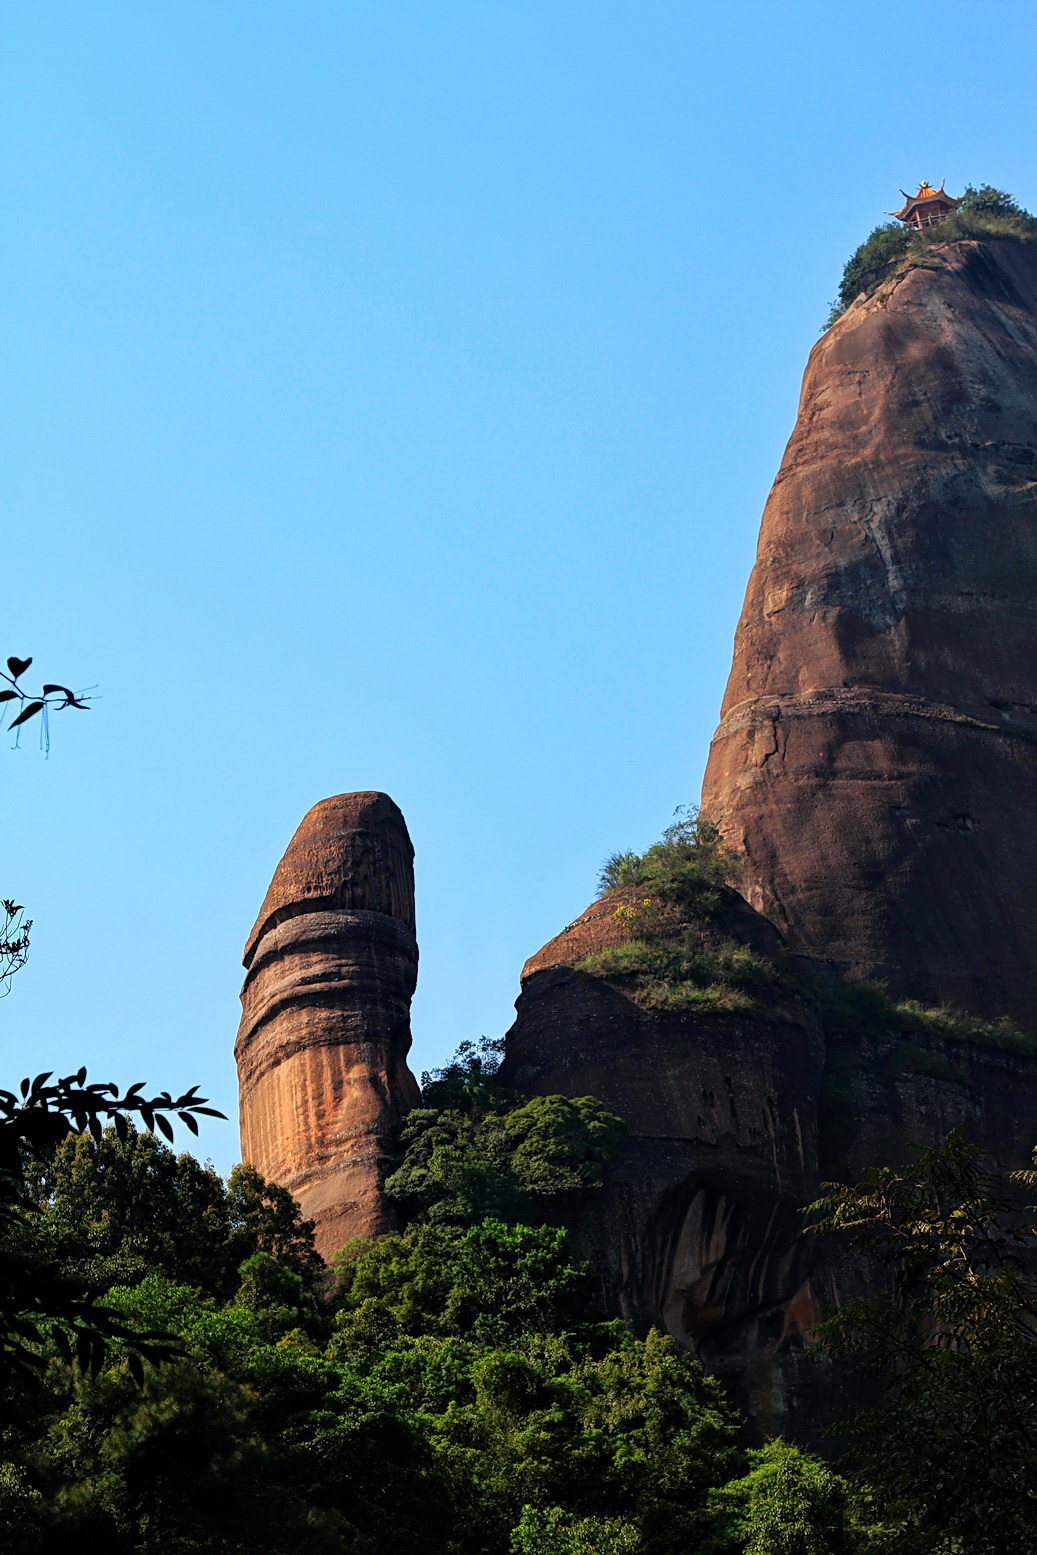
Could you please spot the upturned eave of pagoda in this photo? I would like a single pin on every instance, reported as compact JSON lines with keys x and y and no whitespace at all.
{"x":925,"y":196}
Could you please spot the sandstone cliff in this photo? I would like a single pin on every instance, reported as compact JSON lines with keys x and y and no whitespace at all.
{"x":876,"y":765}
{"x":735,"y":1119}
{"x":876,"y":759}
{"x":325,"y":1026}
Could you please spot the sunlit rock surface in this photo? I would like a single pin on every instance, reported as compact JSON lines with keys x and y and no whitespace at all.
{"x":876,"y":759}
{"x":325,"y":1026}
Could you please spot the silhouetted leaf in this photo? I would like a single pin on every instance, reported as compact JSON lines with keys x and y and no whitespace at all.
{"x":8,"y":696}
{"x":18,"y":666}
{"x":25,"y":714}
{"x":164,"y":1126}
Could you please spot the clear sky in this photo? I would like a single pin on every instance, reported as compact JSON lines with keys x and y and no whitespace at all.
{"x":390,"y":395}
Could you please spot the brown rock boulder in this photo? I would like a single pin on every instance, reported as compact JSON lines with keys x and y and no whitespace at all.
{"x":876,"y":758}
{"x":325,"y":1025}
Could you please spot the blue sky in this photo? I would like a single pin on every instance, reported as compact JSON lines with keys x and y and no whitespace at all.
{"x":390,"y":395}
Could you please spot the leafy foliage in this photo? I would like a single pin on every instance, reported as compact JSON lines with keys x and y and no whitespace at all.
{"x":789,"y":1503}
{"x":675,"y":959}
{"x":686,"y":869}
{"x":458,"y":1394}
{"x":41,"y":1299}
{"x":478,"y":1149}
{"x":458,"y":1168}
{"x":25,"y":705}
{"x":455,"y":1392}
{"x":953,"y":1341}
{"x":469,"y":1082}
{"x":123,"y":1208}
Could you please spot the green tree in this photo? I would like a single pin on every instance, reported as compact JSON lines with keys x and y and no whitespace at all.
{"x":493,"y":1281}
{"x":458,"y":1167}
{"x":686,"y":869}
{"x":952,"y":1340}
{"x":790,"y":1503}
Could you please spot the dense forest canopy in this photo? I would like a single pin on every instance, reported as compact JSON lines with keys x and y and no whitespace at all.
{"x":455,"y":1388}
{"x":451,"y":1388}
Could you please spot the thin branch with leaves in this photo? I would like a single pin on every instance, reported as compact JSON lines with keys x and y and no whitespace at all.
{"x":26,"y":705}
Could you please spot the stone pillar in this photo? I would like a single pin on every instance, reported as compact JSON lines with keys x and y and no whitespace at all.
{"x":331,"y":965}
{"x":876,"y":760}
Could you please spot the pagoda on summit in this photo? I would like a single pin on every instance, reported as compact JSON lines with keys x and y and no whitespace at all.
{"x":925,"y":208}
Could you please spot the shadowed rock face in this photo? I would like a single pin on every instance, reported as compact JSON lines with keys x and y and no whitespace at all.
{"x":876,"y":758}
{"x":696,"y":1231}
{"x":734,"y":1122}
{"x":325,"y":1026}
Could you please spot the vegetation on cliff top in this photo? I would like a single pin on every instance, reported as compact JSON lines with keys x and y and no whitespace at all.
{"x":865,"y":1006}
{"x":674,"y":959}
{"x":983,"y":213}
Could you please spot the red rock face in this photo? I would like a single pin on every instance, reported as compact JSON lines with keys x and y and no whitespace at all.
{"x":876,"y":758}
{"x":735,"y":1120}
{"x":325,"y":1025}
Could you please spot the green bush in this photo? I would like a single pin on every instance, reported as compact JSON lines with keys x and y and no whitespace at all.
{"x":674,"y":959}
{"x":478,"y":1149}
{"x":686,"y":869}
{"x":790,"y":1504}
{"x":880,"y":247}
{"x":682,"y":973}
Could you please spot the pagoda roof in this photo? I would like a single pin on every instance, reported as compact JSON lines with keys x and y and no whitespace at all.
{"x":926,"y":194}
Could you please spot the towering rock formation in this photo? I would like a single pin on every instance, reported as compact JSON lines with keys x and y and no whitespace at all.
{"x":876,"y":759}
{"x":325,"y":1026}
{"x":877,"y":765}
